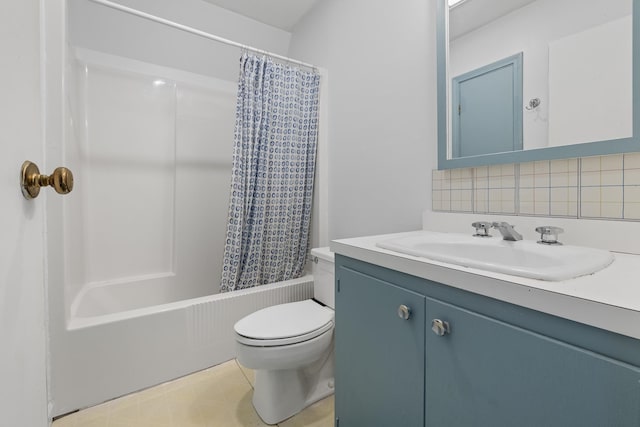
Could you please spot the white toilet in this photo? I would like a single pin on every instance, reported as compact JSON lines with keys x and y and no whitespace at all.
{"x":290,"y":346}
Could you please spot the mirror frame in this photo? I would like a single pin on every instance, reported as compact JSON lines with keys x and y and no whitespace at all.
{"x":596,"y":148}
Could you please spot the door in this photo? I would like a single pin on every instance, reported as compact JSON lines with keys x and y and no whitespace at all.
{"x":487,"y":109}
{"x":379,"y":355}
{"x":485,"y":372}
{"x":23,"y":395}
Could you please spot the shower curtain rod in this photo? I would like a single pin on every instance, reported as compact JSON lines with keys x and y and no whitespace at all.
{"x":195,"y":31}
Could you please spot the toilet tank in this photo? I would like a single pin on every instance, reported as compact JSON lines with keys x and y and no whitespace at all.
{"x":323,"y":276}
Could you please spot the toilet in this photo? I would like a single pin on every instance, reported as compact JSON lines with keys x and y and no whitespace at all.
{"x":290,"y":347}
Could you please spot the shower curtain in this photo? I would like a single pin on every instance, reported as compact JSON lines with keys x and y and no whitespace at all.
{"x":274,"y":160}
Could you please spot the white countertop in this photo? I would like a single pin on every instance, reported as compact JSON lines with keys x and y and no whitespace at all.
{"x":608,"y":299}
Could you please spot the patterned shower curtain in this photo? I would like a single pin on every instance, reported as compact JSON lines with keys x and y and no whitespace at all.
{"x":274,"y":161}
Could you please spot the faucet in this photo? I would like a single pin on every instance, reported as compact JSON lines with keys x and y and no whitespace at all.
{"x":482,"y":228}
{"x":507,"y":231}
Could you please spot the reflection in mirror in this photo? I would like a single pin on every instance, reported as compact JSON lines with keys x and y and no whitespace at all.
{"x":486,"y":107}
{"x":576,"y":73}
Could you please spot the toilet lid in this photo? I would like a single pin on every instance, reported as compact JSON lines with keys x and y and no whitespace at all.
{"x":285,"y":321}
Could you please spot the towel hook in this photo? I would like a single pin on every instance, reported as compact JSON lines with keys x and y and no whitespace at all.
{"x":533,"y":104}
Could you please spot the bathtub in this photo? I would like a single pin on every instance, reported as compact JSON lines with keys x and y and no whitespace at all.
{"x":116,"y":345}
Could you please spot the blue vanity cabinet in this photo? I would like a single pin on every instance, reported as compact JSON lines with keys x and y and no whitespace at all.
{"x":487,"y":364}
{"x":489,"y":373}
{"x":379,"y":355}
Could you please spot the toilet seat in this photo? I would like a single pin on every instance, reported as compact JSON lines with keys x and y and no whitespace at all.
{"x":284,"y":324}
{"x":253,"y":342}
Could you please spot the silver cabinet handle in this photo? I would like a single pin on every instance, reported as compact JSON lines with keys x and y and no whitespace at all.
{"x":440,"y":327}
{"x":404,"y":312}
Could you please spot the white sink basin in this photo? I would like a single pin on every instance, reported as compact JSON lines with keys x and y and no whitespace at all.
{"x":523,"y":258}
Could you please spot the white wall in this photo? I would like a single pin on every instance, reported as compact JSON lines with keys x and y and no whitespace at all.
{"x":530,"y":30}
{"x":382,"y":109}
{"x":23,"y":394}
{"x":582,"y":108}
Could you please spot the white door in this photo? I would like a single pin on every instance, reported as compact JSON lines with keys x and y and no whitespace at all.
{"x":23,"y":395}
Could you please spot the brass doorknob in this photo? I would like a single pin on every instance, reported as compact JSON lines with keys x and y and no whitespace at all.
{"x":30,"y":179}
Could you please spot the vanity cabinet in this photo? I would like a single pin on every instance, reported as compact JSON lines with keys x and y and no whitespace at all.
{"x":496,"y":365}
{"x":489,"y":373}
{"x":380,"y":377}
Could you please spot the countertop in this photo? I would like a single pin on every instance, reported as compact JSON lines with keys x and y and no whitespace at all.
{"x":608,"y":299}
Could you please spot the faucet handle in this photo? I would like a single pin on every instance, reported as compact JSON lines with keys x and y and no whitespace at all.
{"x":549,"y":234}
{"x":482,"y":228}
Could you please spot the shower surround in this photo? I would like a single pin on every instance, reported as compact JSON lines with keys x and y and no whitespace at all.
{"x":143,"y":232}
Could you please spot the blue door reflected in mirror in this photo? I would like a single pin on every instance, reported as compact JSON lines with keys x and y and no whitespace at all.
{"x":486,"y":109}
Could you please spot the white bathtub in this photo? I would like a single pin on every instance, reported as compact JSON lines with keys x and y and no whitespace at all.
{"x":117,"y":347}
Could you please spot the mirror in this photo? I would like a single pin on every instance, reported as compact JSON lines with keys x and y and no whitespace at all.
{"x":526,"y":80}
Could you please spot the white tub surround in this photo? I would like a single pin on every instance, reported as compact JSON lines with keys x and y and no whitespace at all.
{"x":608,"y":299}
{"x":110,"y":352}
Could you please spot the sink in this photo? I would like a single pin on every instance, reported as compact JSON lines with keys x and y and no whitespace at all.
{"x":524,"y":258}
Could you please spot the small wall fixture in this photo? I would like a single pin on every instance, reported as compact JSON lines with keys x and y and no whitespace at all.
{"x":533,"y":104}
{"x":30,"y":180}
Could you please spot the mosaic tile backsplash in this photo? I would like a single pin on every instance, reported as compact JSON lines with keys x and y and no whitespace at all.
{"x":602,"y":187}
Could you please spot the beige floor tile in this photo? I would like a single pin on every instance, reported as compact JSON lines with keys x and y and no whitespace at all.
{"x":243,"y":413}
{"x":216,"y":397}
{"x":162,"y":389}
{"x":124,"y":415}
{"x":250,"y":374}
{"x":320,"y":414}
{"x":68,"y":421}
{"x":99,"y":422}
{"x":227,"y":367}
{"x":97,"y":414}
{"x":212,"y":397}
{"x":156,"y":412}
{"x":90,"y":414}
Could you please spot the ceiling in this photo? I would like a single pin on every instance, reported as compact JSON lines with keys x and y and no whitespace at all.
{"x":282,"y":14}
{"x":469,"y":15}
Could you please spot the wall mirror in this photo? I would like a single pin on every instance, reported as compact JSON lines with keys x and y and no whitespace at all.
{"x":526,"y":80}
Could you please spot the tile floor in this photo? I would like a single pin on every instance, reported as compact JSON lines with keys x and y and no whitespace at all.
{"x":216,"y":397}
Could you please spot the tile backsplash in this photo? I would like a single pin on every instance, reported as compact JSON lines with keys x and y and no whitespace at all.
{"x":603,"y":187}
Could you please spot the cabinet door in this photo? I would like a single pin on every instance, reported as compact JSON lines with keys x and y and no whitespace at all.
{"x":379,"y":355}
{"x":489,"y":373}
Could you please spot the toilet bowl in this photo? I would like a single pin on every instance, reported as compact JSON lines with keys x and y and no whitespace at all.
{"x":290,"y":347}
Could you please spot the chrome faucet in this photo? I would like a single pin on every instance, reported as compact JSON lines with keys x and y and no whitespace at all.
{"x":507,"y":231}
{"x":482,"y":228}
